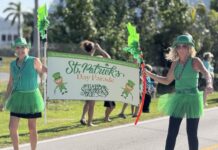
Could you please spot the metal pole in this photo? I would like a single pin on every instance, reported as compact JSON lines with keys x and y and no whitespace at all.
{"x":36,"y":42}
{"x":45,"y":80}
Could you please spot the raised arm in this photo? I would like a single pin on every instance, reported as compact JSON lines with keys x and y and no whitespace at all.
{"x":164,"y":80}
{"x":103,"y":52}
{"x":39,"y":66}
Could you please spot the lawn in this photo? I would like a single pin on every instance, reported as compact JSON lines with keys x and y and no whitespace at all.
{"x":63,"y":117}
{"x":5,"y":64}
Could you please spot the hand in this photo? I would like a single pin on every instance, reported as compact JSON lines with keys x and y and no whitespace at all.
{"x":208,"y":89}
{"x":146,"y":72}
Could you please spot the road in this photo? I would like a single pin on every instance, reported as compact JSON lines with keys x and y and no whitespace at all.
{"x":147,"y":135}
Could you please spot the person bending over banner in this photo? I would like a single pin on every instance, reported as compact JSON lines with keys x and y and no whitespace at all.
{"x":91,"y":48}
{"x":24,"y":99}
{"x":187,"y":101}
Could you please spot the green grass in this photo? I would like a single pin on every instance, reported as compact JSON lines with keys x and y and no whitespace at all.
{"x":6,"y":64}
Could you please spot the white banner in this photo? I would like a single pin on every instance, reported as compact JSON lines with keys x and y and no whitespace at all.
{"x":81,"y":77}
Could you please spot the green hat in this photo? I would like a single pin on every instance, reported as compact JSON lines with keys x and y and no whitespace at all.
{"x":184,"y":39}
{"x":20,"y":42}
{"x":56,"y":75}
{"x":131,"y":83}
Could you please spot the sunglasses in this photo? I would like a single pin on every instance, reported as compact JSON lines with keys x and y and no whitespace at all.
{"x":181,"y":46}
{"x":20,"y":47}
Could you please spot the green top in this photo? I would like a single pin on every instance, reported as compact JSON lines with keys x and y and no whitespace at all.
{"x":24,"y":77}
{"x":189,"y":77}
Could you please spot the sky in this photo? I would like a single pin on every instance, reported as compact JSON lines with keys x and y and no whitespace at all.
{"x":206,"y":2}
{"x":26,"y":5}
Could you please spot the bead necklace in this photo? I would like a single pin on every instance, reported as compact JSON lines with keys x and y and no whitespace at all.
{"x":183,"y":68}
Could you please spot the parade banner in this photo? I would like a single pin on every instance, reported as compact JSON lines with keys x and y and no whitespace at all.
{"x":81,"y":77}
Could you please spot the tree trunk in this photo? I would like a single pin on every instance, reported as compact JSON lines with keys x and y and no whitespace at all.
{"x":19,"y":26}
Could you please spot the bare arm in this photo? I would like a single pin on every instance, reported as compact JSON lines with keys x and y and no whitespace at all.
{"x":199,"y":67}
{"x":164,"y":80}
{"x":92,"y":53}
{"x":9,"y":87}
{"x":103,"y":52}
{"x":39,"y":66}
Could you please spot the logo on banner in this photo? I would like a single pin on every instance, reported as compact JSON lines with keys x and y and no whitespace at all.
{"x":60,"y":84}
{"x":128,"y":89}
{"x":94,"y":90}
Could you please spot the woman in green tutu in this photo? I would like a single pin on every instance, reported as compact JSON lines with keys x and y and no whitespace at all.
{"x":24,"y":99}
{"x":187,"y":100}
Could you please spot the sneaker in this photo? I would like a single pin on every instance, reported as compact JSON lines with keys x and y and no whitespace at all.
{"x":107,"y":120}
{"x":122,"y":116}
{"x":92,"y":125}
{"x":134,"y":115}
{"x":83,"y":122}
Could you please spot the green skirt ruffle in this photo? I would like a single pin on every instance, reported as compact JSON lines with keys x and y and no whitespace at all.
{"x":25,"y":102}
{"x":189,"y":105}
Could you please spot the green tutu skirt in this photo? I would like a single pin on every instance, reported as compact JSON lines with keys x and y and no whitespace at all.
{"x":25,"y":102}
{"x":182,"y":104}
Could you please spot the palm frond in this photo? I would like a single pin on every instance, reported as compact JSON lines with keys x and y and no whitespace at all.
{"x":9,"y":15}
{"x":13,"y":20}
{"x":14,"y":4}
{"x":8,"y":9}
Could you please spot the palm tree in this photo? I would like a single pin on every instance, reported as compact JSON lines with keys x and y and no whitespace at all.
{"x":14,"y":10}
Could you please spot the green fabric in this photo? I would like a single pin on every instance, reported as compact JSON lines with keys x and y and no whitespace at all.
{"x":25,"y":77}
{"x":43,"y":22}
{"x":133,"y":35}
{"x":133,"y":43}
{"x":182,"y":105}
{"x":187,"y":101}
{"x":25,"y":102}
{"x":189,"y":78}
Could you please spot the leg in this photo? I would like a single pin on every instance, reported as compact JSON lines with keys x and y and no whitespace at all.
{"x":13,"y":126}
{"x":192,"y":131}
{"x":136,"y":111}
{"x":107,"y":113}
{"x":124,"y":108}
{"x":132,"y":109}
{"x":147,"y":102}
{"x":91,"y":112}
{"x":121,"y":115}
{"x":85,"y":109}
{"x":174,"y":124}
{"x":33,"y":133}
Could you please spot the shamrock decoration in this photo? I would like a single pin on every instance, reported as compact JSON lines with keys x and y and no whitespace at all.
{"x":133,"y":43}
